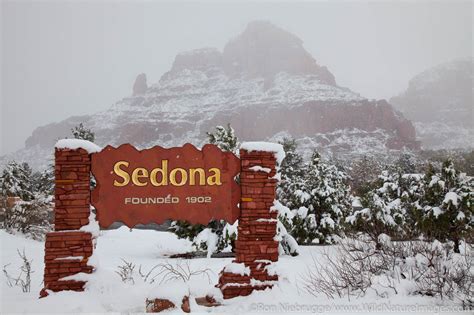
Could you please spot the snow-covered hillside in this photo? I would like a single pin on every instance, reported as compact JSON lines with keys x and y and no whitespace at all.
{"x":440,"y":103}
{"x":264,"y":83}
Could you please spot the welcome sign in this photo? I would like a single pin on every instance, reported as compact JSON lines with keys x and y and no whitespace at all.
{"x":153,"y":185}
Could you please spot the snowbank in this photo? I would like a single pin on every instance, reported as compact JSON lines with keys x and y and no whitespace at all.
{"x":74,"y":144}
{"x":173,"y":291}
{"x":209,"y":238}
{"x":106,"y":293}
{"x":92,"y":227}
{"x":276,"y":148}
{"x":238,"y":269}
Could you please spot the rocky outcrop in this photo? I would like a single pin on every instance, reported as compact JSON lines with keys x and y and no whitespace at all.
{"x":264,"y":50}
{"x":140,"y":85}
{"x":264,"y":83}
{"x":199,"y":59}
{"x":440,"y":102}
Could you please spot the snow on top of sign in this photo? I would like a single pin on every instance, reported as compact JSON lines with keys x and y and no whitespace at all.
{"x":267,"y":147}
{"x":74,"y":144}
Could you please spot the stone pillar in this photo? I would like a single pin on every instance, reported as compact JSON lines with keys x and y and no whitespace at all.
{"x":256,"y":248}
{"x":68,"y":248}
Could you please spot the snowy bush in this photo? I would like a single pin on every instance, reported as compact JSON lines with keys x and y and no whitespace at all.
{"x":303,"y":226}
{"x":437,"y":205}
{"x":360,"y":266}
{"x":28,"y":217}
{"x":441,"y":272}
{"x":388,"y":206}
{"x":206,"y":240}
{"x":161,"y":273}
{"x":448,"y":205}
{"x":216,"y":237}
{"x":288,"y":245}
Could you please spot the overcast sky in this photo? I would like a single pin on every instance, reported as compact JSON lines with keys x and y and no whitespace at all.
{"x":71,"y":58}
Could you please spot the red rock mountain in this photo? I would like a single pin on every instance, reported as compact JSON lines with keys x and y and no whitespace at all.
{"x":264,"y":83}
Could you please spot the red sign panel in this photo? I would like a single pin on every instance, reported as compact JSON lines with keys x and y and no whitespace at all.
{"x":153,"y":185}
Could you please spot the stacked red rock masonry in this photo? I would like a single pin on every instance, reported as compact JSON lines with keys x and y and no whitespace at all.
{"x":67,"y":248}
{"x":255,"y":245}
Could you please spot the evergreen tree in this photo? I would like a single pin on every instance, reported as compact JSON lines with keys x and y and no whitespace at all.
{"x":318,"y":195}
{"x":383,"y":212}
{"x":437,"y":204}
{"x":448,"y":205}
{"x":81,"y":132}
{"x":407,"y":163}
{"x":292,"y":174}
{"x":327,"y":196}
{"x":16,"y":181}
{"x":224,"y":138}
{"x":44,"y":181}
{"x":364,"y":171}
{"x":30,"y":215}
{"x":411,"y":194}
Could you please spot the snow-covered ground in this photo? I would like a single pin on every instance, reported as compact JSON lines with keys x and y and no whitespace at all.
{"x":107,"y":293}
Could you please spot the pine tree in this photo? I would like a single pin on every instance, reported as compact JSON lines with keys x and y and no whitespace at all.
{"x":448,"y":205}
{"x":16,"y":181}
{"x":411,"y":194}
{"x":407,"y":163}
{"x":383,"y":212}
{"x":224,"y":138}
{"x":364,"y":171}
{"x":292,"y":174}
{"x":81,"y":132}
{"x":437,"y":204}
{"x":44,"y":181}
{"x":327,"y":197}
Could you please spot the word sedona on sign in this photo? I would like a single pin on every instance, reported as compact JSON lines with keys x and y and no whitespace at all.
{"x":159,"y":176}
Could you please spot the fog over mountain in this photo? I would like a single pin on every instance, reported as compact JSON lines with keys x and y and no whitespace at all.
{"x":63,"y":59}
{"x":263,"y":82}
{"x":440,"y":102}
